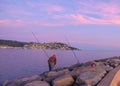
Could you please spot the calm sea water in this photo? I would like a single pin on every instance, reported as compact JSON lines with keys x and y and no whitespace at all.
{"x":16,"y":63}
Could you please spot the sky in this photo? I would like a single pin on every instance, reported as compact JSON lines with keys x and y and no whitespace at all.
{"x":87,"y":24}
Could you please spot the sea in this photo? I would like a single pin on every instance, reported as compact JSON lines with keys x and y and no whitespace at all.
{"x":17,"y":63}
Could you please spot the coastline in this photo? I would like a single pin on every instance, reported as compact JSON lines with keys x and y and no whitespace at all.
{"x":75,"y":75}
{"x":33,"y":45}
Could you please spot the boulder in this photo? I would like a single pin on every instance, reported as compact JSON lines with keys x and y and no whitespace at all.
{"x":37,"y":83}
{"x":65,"y":80}
{"x":34,"y":77}
{"x":54,"y":74}
{"x":116,"y":80}
{"x":57,"y":73}
{"x":90,"y":77}
{"x":22,"y":81}
{"x":107,"y":67}
{"x":113,"y":62}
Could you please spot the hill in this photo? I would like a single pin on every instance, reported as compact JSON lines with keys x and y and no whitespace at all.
{"x":34,"y":45}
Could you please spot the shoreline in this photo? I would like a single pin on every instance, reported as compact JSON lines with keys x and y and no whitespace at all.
{"x":35,"y":45}
{"x":75,"y":75}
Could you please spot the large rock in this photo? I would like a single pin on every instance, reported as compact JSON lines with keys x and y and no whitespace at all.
{"x":66,"y":80}
{"x":76,"y":72}
{"x":112,"y":78}
{"x":57,"y":73}
{"x":34,"y":77}
{"x":106,"y":67}
{"x":113,"y":62}
{"x":116,"y":79}
{"x":22,"y":81}
{"x":90,"y":77}
{"x":54,"y":74}
{"x":37,"y":83}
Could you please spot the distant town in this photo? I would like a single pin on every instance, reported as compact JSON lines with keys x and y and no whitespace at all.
{"x":34,"y":45}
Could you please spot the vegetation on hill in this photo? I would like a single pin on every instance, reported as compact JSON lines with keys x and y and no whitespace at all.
{"x":11,"y":43}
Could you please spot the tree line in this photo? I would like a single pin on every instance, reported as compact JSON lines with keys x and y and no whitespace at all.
{"x":11,"y":43}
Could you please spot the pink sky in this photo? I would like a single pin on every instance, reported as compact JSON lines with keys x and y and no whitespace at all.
{"x":87,"y":22}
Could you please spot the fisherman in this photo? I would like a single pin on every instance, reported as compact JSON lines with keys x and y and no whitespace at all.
{"x":52,"y":62}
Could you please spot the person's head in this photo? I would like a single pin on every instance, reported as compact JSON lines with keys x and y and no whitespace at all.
{"x":54,"y":55}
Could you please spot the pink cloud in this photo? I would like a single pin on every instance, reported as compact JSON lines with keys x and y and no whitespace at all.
{"x":25,"y":23}
{"x":54,"y":8}
{"x":109,"y":12}
{"x":12,"y":23}
{"x":19,"y":11}
{"x":46,"y":6}
{"x":4,"y":22}
{"x":47,"y":24}
{"x":14,"y":11}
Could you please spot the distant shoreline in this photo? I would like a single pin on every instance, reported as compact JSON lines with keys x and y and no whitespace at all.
{"x":33,"y":45}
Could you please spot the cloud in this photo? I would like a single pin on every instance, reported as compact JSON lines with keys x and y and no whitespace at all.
{"x":49,"y":7}
{"x":108,"y":12}
{"x":93,"y":12}
{"x":13,"y":11}
{"x":54,"y":8}
{"x":27,"y":23}
{"x":12,"y":23}
{"x":52,"y":15}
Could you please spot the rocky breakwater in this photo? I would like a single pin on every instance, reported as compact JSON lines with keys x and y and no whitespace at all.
{"x":84,"y":74}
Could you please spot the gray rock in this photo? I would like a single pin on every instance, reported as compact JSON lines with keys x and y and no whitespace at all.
{"x":57,"y":73}
{"x":66,"y":80}
{"x":108,"y":68}
{"x":90,"y":77}
{"x":22,"y":81}
{"x":113,"y":62}
{"x":37,"y":83}
{"x":54,"y":74}
{"x":34,"y":77}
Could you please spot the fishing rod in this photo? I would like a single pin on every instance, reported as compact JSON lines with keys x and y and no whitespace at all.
{"x":41,"y":48}
{"x":72,"y":51}
{"x":39,"y":42}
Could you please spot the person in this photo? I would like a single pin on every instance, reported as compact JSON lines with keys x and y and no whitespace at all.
{"x":52,"y":62}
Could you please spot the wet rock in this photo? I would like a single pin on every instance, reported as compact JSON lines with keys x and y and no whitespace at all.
{"x":65,"y":80}
{"x":37,"y":83}
{"x":90,"y":77}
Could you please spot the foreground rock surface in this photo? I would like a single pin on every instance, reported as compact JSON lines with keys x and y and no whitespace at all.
{"x":83,"y":74}
{"x":65,"y":80}
{"x":91,"y":77}
{"x":37,"y":83}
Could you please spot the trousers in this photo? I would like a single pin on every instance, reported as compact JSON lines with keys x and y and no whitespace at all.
{"x":51,"y":66}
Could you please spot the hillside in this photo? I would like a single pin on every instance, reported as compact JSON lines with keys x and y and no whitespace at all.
{"x":33,"y":45}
